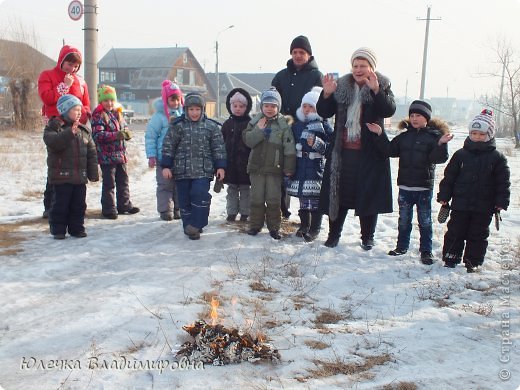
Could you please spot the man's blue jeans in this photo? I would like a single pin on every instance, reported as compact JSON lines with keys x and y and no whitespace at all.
{"x":423,"y":201}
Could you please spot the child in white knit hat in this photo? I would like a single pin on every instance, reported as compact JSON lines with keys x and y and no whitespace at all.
{"x":476,"y":180}
{"x":311,"y":134}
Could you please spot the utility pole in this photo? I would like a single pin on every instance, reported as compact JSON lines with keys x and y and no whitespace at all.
{"x":217,"y":75}
{"x":425,"y":51}
{"x":90,"y":35}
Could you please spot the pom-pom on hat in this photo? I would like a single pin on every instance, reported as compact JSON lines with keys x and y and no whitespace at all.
{"x":301,"y":42}
{"x":66,"y":102}
{"x":312,"y":97}
{"x":169,"y":88}
{"x":271,"y":96}
{"x":106,"y":92}
{"x":422,"y":108}
{"x":367,"y":54}
{"x":484,"y":123}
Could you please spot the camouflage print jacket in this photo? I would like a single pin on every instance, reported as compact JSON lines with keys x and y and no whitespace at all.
{"x":193,"y":150}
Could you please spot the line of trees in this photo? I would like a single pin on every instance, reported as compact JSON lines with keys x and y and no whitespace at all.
{"x":21,"y":64}
{"x":506,"y":102}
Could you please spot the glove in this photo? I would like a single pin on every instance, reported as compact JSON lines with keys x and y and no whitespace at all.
{"x":444,"y":212}
{"x":267,"y":132}
{"x":218,"y":185}
{"x":120,"y":135}
{"x":152,"y":162}
{"x":128,"y":134}
{"x":498,"y":219}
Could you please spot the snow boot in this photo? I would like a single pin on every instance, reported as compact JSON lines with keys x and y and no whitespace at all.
{"x":314,"y":230}
{"x":305,"y":216}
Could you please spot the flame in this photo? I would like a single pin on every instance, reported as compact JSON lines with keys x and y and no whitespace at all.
{"x":214,"y":306}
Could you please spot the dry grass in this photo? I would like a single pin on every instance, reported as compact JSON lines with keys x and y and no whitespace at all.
{"x":400,"y":386}
{"x":316,"y":344}
{"x":262,"y":287}
{"x":328,"y":316}
{"x":338,"y":366}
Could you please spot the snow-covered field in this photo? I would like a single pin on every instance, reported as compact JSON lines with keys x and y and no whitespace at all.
{"x":73,"y":312}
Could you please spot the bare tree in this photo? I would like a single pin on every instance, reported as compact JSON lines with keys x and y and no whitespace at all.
{"x":21,"y":64}
{"x":507,"y":102}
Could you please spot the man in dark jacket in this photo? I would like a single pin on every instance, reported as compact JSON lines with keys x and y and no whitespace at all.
{"x":294,"y":81}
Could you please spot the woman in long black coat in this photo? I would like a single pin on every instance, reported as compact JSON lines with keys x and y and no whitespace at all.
{"x":357,"y":174}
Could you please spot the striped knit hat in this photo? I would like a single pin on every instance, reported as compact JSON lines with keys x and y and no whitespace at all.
{"x":484,"y":123}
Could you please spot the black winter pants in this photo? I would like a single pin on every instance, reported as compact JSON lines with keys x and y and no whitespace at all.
{"x":367,"y":223}
{"x":68,"y":209}
{"x":472,"y":228}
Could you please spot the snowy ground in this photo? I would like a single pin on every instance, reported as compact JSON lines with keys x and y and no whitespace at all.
{"x":71,"y":311}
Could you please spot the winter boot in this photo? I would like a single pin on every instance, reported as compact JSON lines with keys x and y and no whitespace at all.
{"x":335,"y":228}
{"x":314,"y":230}
{"x":426,"y":258}
{"x":305,"y":216}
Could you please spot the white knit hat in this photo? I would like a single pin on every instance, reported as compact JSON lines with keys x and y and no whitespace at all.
{"x":238,"y":97}
{"x":367,"y":54}
{"x":311,"y":97}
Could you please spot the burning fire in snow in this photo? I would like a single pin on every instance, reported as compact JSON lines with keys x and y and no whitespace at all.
{"x":214,"y":314}
{"x":219,"y":345}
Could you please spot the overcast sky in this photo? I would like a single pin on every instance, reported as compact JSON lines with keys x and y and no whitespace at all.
{"x":460,"y":44}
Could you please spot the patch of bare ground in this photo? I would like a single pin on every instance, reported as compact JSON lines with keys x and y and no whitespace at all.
{"x":262,"y":287}
{"x":11,"y":237}
{"x":338,"y":366}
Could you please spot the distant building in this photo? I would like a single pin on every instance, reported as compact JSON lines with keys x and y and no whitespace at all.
{"x":137,"y":75}
{"x":254,"y":84}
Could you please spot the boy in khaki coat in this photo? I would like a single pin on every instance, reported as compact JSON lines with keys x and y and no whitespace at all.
{"x":273,"y":156}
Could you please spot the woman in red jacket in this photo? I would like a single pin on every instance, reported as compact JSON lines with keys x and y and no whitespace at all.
{"x":61,"y":80}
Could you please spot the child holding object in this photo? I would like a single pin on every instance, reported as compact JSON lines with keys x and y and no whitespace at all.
{"x":193,"y":152}
{"x":476,"y":181}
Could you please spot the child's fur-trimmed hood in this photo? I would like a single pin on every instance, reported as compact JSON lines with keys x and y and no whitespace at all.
{"x":434,"y":124}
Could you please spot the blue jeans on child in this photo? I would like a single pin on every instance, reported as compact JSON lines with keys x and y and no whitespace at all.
{"x":194,"y":201}
{"x":423,"y":201}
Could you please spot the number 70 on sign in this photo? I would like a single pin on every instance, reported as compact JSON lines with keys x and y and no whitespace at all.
{"x":75,"y":10}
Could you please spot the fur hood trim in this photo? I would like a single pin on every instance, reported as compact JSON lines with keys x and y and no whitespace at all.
{"x":434,"y":123}
{"x":311,"y":117}
{"x":345,"y":90}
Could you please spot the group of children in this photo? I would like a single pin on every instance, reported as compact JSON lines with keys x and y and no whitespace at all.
{"x":255,"y":157}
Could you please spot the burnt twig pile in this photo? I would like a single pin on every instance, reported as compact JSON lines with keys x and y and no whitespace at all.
{"x":219,"y":345}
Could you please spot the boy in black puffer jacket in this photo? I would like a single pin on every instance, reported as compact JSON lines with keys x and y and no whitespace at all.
{"x":419,"y":148}
{"x":476,"y":180}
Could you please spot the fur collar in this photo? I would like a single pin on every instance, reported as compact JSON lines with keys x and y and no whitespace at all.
{"x":434,"y":124}
{"x":345,"y":91}
{"x":311,"y":117}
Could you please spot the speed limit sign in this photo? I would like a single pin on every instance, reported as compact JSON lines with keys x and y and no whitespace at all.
{"x":75,"y":10}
